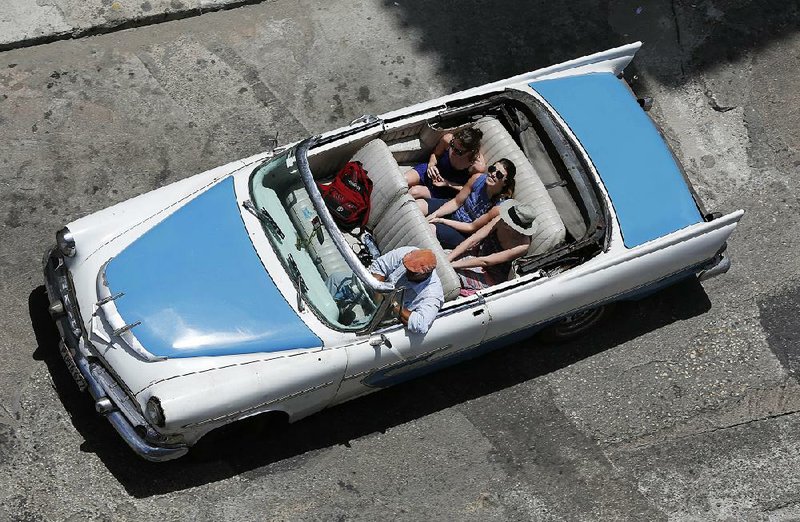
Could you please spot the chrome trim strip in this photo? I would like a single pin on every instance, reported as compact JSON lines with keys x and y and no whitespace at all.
{"x":121,"y":329}
{"x":311,"y":351}
{"x":109,"y":298}
{"x":258,"y":406}
{"x":407,"y":362}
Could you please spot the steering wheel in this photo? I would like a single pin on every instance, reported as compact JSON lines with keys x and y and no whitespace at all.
{"x":355,"y":294}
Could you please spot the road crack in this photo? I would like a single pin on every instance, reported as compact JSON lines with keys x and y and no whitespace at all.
{"x":678,"y":37}
{"x":712,"y":101}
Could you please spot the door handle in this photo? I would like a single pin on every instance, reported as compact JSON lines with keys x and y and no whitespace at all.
{"x":379,"y":340}
{"x":476,"y":313}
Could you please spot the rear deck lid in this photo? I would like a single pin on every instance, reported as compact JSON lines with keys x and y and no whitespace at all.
{"x":647,"y":188}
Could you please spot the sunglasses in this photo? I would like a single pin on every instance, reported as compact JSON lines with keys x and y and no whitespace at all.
{"x":496,"y":172}
{"x":459,"y":152}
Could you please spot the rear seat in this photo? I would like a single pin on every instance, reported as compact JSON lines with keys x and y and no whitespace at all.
{"x":395,"y":218}
{"x":496,"y":144}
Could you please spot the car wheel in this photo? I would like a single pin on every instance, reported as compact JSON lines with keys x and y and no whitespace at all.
{"x":574,"y":325}
{"x":228,"y":440}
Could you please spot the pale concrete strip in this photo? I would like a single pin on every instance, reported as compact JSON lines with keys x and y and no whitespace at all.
{"x":24,"y":23}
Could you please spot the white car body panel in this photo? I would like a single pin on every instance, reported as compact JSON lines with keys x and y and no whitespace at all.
{"x":298,"y":385}
{"x":459,"y":325}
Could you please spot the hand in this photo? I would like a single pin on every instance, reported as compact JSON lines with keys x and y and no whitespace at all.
{"x":436,"y":220}
{"x":441,"y":182}
{"x":433,"y":172}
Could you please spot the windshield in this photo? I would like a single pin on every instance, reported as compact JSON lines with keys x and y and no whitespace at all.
{"x":304,"y":246}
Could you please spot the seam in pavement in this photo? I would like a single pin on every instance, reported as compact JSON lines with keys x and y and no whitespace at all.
{"x":636,"y":447}
{"x":114,"y":26}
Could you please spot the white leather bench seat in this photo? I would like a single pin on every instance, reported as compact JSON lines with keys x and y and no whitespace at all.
{"x":496,"y":144}
{"x":394,"y":218}
{"x":383,"y":170}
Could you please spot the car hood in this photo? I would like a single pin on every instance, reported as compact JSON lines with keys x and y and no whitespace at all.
{"x":193,"y":285}
{"x":647,"y":189}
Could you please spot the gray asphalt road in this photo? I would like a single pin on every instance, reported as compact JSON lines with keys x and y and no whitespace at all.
{"x":683,"y":406}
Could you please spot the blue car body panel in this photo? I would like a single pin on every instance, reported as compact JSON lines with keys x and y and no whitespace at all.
{"x":649,"y":193}
{"x":198,"y":287}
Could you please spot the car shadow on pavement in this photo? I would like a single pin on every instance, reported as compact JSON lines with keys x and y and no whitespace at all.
{"x":681,"y":39}
{"x":247,"y":447}
{"x":97,"y":433}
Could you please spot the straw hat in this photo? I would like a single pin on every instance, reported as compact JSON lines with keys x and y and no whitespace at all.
{"x":519,"y":216}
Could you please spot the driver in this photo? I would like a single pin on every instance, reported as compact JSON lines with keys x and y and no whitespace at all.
{"x":413,"y":269}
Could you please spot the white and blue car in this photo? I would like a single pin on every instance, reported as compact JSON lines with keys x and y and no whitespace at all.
{"x":205,"y":302}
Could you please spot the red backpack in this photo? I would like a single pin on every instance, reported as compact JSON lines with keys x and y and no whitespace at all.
{"x":347,"y":196}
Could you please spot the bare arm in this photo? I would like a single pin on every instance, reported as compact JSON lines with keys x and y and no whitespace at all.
{"x":441,"y":148}
{"x":445,"y":183}
{"x":473,"y":240}
{"x":492,"y":259}
{"x":444,"y":142}
{"x":455,"y":203}
{"x":468,"y":228}
{"x":402,"y":313}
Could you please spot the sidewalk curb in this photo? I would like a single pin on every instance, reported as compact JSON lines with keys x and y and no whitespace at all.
{"x":121,"y":25}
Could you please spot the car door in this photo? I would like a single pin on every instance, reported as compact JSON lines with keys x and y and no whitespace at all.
{"x":400,"y":355}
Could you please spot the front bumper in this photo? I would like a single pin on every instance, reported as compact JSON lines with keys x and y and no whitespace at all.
{"x":111,"y":400}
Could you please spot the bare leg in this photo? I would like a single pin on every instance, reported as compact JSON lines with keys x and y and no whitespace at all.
{"x":420,"y":192}
{"x":423,"y":206}
{"x":412,"y":177}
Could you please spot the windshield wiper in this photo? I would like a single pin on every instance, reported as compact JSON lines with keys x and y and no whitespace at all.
{"x":264,"y":217}
{"x":300,"y":283}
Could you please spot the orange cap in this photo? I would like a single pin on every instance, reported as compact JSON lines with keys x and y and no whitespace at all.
{"x":420,"y":261}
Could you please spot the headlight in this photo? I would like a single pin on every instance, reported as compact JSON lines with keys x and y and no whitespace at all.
{"x":153,"y":411}
{"x":65,"y":242}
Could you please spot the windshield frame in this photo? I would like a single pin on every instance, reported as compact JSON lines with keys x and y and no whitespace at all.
{"x":350,"y":257}
{"x":369,"y":283}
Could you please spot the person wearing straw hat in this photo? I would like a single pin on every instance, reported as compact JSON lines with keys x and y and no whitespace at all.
{"x":495,"y":245}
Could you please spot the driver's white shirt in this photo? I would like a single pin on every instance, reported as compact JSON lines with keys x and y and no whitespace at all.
{"x":423,"y":298}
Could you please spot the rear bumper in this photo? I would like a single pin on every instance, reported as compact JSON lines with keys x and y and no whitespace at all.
{"x":111,"y":400}
{"x":719,"y":265}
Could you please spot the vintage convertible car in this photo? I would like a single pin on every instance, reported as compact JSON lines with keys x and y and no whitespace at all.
{"x":205,"y":302}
